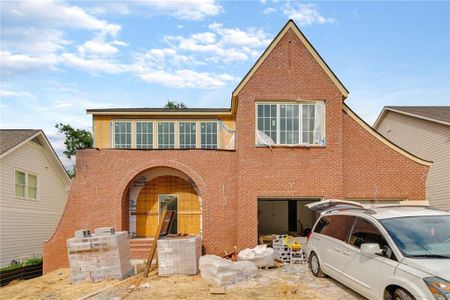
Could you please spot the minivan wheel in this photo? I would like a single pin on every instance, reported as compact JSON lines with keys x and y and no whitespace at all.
{"x":314,"y":265}
{"x":401,"y":294}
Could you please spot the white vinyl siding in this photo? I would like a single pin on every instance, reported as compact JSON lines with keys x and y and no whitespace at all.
{"x":166,"y":135}
{"x":427,"y":140}
{"x":188,"y":135}
{"x":291,"y":123}
{"x":144,"y":135}
{"x":122,"y":134}
{"x":208,"y":135}
{"x":24,"y":224}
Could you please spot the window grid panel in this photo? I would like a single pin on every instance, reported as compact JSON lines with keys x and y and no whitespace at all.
{"x":308,"y":118}
{"x":267,"y":120}
{"x":187,"y":135}
{"x":166,"y":135}
{"x":289,"y":124}
{"x":209,"y":135}
{"x":32,"y":186}
{"x":122,"y":135}
{"x":20,"y":184}
{"x":144,"y":135}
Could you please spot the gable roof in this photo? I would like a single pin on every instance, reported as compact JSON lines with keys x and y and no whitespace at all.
{"x":437,"y":114}
{"x":9,"y":138}
{"x":290,"y":25}
{"x":12,"y":139}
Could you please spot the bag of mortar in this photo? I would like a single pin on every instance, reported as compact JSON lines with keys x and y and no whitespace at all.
{"x":261,"y":256}
{"x":221,"y":271}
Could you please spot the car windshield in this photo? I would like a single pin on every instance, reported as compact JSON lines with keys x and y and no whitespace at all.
{"x":422,"y":236}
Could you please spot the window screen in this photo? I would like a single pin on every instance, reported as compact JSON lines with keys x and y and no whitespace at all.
{"x":187,"y":135}
{"x":209,"y":135}
{"x":166,"y":135}
{"x":32,"y":186}
{"x":20,"y":184}
{"x":144,"y":135}
{"x":267,"y":120}
{"x":289,"y":124}
{"x":122,"y":135}
{"x":308,"y":118}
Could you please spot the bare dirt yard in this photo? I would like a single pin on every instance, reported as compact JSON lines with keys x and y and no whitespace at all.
{"x":289,"y":282}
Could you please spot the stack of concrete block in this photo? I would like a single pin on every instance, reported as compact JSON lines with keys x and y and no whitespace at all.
{"x":280,"y":250}
{"x":179,"y":255}
{"x":104,"y":255}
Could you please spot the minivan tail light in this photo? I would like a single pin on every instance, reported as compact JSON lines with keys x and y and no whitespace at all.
{"x":309,"y":236}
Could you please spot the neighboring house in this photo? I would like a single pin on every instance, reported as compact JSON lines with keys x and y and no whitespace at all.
{"x":33,"y":193}
{"x":235,"y":173}
{"x":424,"y":131}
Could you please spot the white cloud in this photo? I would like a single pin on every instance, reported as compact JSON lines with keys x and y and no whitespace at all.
{"x":92,"y":65}
{"x":269,"y":10}
{"x":306,"y":14}
{"x":194,"y":10}
{"x":61,"y":104}
{"x":14,"y":94}
{"x":12,"y":64}
{"x":186,"y":78}
{"x":99,"y":47}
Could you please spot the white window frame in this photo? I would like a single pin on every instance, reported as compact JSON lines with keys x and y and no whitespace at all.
{"x":217,"y":134}
{"x":132,"y":132}
{"x":175,"y":131}
{"x":136,"y":134}
{"x":25,"y":197}
{"x":300,"y":120}
{"x":195,"y":133}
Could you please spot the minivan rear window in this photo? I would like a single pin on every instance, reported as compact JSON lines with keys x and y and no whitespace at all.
{"x":337,"y":227}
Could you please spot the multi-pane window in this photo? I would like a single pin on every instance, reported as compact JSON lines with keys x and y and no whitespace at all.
{"x":267,"y":120}
{"x":208,"y":135}
{"x":25,"y":185}
{"x":144,"y":135}
{"x":166,"y":135}
{"x":291,"y":123}
{"x":187,"y":134}
{"x":122,"y":134}
{"x":308,"y":121}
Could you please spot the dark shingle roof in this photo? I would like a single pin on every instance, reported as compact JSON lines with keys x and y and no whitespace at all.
{"x":12,"y":137}
{"x":152,"y":109}
{"x":438,"y":113}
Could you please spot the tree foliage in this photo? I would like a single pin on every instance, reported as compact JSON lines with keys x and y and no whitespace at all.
{"x":75,"y":139}
{"x":174,"y":105}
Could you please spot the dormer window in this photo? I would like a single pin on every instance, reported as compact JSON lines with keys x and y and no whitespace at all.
{"x":290,"y":123}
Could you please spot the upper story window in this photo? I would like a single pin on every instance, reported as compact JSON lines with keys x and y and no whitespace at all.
{"x":122,"y":134}
{"x":209,"y":135}
{"x":25,"y":185}
{"x":144,"y":135}
{"x":166,"y":135}
{"x":188,"y":136}
{"x":290,"y":123}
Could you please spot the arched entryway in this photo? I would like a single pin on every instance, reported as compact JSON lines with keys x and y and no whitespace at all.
{"x":172,"y":192}
{"x":153,"y":190}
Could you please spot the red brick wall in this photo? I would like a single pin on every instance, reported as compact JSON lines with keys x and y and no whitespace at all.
{"x":351,"y":165}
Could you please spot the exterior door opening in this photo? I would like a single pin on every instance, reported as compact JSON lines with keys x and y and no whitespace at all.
{"x":285,"y":216}
{"x":171,"y":203}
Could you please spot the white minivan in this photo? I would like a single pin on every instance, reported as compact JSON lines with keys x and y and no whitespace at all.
{"x":400,"y":252}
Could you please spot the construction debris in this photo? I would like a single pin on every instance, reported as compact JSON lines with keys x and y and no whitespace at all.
{"x":179,"y":255}
{"x":261,"y":256}
{"x":220,"y":271}
{"x":99,"y":257}
{"x":287,"y":249}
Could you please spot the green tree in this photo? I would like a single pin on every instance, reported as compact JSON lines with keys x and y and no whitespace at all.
{"x":174,"y":105}
{"x":75,"y":139}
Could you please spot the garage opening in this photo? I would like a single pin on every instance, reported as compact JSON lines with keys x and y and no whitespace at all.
{"x":285,"y":216}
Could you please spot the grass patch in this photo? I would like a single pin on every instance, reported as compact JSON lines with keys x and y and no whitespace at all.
{"x":29,"y":262}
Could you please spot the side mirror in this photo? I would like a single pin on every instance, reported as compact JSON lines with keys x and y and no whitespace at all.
{"x":371,"y":249}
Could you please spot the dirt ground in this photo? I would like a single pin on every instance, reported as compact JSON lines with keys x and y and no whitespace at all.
{"x":289,"y":282}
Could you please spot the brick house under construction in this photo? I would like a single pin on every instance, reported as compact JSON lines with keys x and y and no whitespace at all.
{"x":288,"y":139}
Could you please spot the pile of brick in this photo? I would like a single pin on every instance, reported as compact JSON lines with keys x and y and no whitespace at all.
{"x":104,"y":255}
{"x":179,"y":255}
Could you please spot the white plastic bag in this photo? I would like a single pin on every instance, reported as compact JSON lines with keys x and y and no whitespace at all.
{"x":261,"y":256}
{"x":221,"y":271}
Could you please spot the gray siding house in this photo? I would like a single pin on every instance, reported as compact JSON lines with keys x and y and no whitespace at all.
{"x":424,"y":131}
